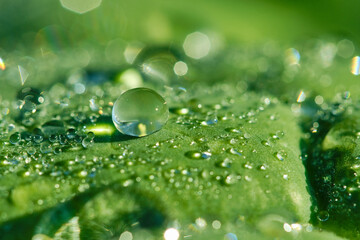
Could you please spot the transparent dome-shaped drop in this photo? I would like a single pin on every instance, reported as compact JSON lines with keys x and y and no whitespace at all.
{"x":139,"y":112}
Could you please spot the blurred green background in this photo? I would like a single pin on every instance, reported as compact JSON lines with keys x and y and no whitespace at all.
{"x":159,"y":21}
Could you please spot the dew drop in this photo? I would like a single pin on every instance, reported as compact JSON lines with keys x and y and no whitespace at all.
{"x":87,"y":142}
{"x":323,"y":216}
{"x":198,"y":155}
{"x":15,"y":138}
{"x":230,"y":179}
{"x":139,"y":112}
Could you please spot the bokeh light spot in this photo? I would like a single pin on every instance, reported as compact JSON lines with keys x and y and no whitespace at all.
{"x":197,"y":45}
{"x":180,"y":68}
{"x":80,"y":6}
{"x":126,"y":236}
{"x":345,"y":48}
{"x":171,"y":234}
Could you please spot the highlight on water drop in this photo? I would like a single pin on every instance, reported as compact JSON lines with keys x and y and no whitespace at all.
{"x":355,"y":65}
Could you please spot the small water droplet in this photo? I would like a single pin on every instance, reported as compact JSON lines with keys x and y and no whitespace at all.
{"x":15,"y":138}
{"x":323,"y":216}
{"x":265,"y":143}
{"x":87,"y":142}
{"x":198,"y":155}
{"x":230,"y":179}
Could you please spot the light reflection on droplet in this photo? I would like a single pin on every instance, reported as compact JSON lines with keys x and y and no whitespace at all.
{"x":132,"y":50}
{"x":231,"y":236}
{"x":24,"y":74}
{"x":287,"y":227}
{"x":180,"y":68}
{"x":197,"y":45}
{"x":301,"y":97}
{"x":355,"y":65}
{"x":126,"y":236}
{"x":292,"y":56}
{"x":80,"y":6}
{"x":171,"y":234}
{"x":2,"y":64}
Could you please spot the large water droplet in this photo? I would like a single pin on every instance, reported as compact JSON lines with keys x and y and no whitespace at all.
{"x":140,"y":112}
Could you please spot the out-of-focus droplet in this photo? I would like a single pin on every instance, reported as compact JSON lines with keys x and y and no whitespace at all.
{"x":197,"y":45}
{"x":2,"y":64}
{"x":180,"y":68}
{"x":301,"y":97}
{"x":327,"y":54}
{"x":15,"y":138}
{"x":80,"y":6}
{"x":292,"y":56}
{"x":132,"y":50}
{"x":126,"y":236}
{"x":231,"y":236}
{"x":130,"y":78}
{"x":157,"y":64}
{"x":31,"y":95}
{"x":345,"y":48}
{"x":171,"y":234}
{"x":24,"y":74}
{"x":140,"y":112}
{"x":355,"y":65}
{"x":87,"y":142}
{"x":79,"y":88}
{"x":323,"y":216}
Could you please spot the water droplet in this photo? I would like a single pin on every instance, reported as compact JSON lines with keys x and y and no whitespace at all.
{"x":323,"y":216}
{"x":140,"y":112}
{"x":15,"y":138}
{"x":226,"y":163}
{"x":198,"y":155}
{"x":211,"y":119}
{"x":87,"y":142}
{"x":230,"y":179}
{"x":280,"y":155}
{"x":71,"y":133}
{"x":265,"y":143}
{"x":157,"y":64}
{"x":45,"y":147}
{"x":248,"y":165}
